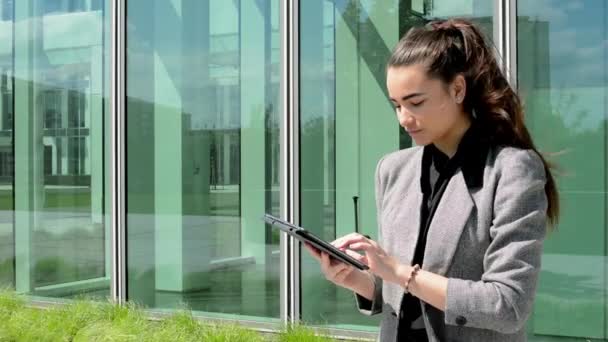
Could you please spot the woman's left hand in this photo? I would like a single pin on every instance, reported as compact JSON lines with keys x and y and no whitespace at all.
{"x":380,"y":263}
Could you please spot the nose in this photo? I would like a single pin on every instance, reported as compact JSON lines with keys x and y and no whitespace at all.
{"x":405,"y":119}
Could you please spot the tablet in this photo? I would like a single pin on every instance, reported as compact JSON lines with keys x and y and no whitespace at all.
{"x":304,"y":235}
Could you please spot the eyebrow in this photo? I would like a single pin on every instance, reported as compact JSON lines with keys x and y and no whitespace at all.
{"x":407,"y":97}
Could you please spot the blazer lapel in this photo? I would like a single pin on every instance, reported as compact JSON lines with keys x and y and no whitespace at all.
{"x":412,"y":215}
{"x":412,"y":212}
{"x":402,"y":213}
{"x":450,"y":218}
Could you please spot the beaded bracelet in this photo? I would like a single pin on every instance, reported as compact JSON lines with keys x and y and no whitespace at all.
{"x":413,"y":273}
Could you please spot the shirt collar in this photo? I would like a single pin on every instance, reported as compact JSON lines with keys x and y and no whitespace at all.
{"x":470,"y":157}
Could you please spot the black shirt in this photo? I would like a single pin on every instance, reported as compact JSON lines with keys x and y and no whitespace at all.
{"x":437,"y":170}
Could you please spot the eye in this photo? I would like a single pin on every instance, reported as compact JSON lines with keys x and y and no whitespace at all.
{"x":417,"y":104}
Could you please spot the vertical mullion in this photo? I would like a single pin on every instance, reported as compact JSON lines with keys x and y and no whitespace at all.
{"x":505,"y":37}
{"x":499,"y":29}
{"x":117,"y":98}
{"x":290,"y":252}
{"x":294,"y":109}
{"x":511,"y":41}
{"x":284,"y":157}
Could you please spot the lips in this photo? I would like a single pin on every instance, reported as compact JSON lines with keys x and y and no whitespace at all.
{"x":414,"y":131}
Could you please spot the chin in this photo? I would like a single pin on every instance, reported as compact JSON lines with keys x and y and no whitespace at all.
{"x":420,"y":141}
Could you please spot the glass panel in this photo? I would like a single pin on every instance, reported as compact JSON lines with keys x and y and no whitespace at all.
{"x":7,"y":161}
{"x":563,"y":77}
{"x":202,"y":145}
{"x":54,"y":71}
{"x":347,"y":124}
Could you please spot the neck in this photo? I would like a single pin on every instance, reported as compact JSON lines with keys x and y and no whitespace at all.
{"x":448,"y":144}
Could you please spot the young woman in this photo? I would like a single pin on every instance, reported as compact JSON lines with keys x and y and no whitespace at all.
{"x":463,"y":215}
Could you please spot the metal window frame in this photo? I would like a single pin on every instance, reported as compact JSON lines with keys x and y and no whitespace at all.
{"x":505,"y":37}
{"x":290,"y":160}
{"x":118,"y":160}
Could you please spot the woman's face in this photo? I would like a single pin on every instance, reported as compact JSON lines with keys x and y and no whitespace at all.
{"x":426,"y":108}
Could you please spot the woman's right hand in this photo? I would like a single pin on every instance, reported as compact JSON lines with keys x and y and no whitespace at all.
{"x":337,"y":272}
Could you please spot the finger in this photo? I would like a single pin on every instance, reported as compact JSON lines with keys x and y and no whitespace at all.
{"x":342,"y":274}
{"x":335,"y":270}
{"x":330,"y":266}
{"x":363,"y":246}
{"x":373,"y":243}
{"x":354,"y":255}
{"x":346,"y":240}
{"x":325,"y":262}
{"x":348,"y":236}
{"x":362,"y":258}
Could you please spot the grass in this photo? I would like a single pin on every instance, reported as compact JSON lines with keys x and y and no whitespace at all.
{"x":84,"y":320}
{"x":301,"y":333}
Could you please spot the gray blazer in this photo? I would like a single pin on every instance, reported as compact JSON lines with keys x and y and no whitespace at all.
{"x":486,"y":241}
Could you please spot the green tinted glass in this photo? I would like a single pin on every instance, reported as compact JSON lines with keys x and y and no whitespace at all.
{"x":54,"y":71}
{"x":563,"y":78}
{"x":202,"y":155}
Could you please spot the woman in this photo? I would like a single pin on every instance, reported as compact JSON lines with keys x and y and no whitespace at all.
{"x":461,"y":217}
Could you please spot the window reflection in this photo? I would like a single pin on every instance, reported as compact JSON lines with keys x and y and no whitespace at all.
{"x":54,"y":240}
{"x":202,"y":150}
{"x":562,"y":74}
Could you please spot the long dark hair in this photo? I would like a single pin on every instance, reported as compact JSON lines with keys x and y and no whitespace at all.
{"x":457,"y":47}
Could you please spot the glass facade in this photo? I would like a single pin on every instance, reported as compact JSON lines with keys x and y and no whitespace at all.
{"x":203,"y":148}
{"x":54,"y":72}
{"x":563,"y":77}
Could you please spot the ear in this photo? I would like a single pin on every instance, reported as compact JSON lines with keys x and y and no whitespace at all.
{"x":458,"y":89}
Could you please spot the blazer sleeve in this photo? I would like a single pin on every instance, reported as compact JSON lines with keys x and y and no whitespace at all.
{"x":503,"y":298}
{"x":374,"y":306}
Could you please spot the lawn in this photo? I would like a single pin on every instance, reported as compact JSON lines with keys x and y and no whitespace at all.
{"x":85,"y":320}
